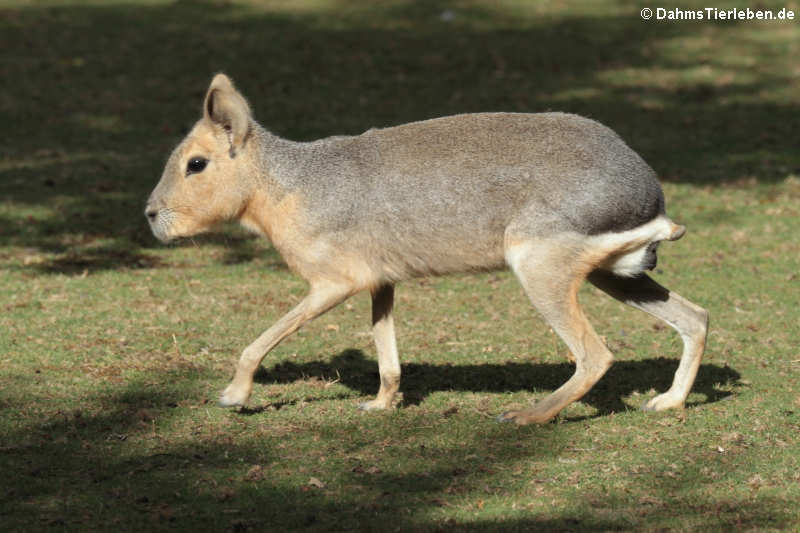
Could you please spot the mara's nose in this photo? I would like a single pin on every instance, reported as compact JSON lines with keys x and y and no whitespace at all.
{"x":150,"y":213}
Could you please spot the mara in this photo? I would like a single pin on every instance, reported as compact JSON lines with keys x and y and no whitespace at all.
{"x":556,"y":197}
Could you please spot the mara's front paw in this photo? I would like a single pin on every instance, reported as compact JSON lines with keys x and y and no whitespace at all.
{"x":234,"y":396}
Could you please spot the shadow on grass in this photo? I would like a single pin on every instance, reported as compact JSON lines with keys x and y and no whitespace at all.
{"x":357,"y":372}
{"x":79,"y":161}
{"x":112,"y":466}
{"x":77,"y":262}
{"x":120,"y":254}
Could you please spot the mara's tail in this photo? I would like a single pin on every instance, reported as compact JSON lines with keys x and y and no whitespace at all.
{"x":676,"y":231}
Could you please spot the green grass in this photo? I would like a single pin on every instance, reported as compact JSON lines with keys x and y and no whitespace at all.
{"x":113,"y":348}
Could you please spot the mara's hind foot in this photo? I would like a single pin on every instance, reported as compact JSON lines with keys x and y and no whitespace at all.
{"x":234,"y":396}
{"x":379,"y":404}
{"x":523,"y":417}
{"x":663,"y":402}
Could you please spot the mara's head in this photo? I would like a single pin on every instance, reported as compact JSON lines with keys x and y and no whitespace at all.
{"x":206,"y":179}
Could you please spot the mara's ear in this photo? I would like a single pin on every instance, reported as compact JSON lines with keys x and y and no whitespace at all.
{"x":226,"y":108}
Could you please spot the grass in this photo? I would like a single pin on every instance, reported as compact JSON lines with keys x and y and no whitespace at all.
{"x":113,"y":349}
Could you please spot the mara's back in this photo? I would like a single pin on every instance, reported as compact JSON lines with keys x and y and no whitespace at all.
{"x":441,"y":193}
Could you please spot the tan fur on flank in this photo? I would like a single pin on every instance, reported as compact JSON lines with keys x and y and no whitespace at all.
{"x":557,"y":197}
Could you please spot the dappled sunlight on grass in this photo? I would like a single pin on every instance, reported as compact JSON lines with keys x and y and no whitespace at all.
{"x":114,"y":347}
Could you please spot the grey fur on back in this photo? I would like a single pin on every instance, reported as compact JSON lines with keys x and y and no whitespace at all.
{"x":440,"y":195}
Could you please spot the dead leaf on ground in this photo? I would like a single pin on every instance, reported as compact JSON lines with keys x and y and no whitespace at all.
{"x":314,"y":482}
{"x":256,"y":473}
{"x":650,"y":500}
{"x":755,"y":482}
{"x":225,"y":494}
{"x":450,"y":411}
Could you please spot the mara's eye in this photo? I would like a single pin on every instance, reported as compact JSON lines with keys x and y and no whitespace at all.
{"x":195,"y":165}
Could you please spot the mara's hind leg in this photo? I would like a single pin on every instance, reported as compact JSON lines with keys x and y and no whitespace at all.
{"x":688,"y":319}
{"x":551,"y":272}
{"x":386,"y":346}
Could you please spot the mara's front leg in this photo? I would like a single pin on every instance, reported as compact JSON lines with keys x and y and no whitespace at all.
{"x":321,"y":298}
{"x":386,"y":346}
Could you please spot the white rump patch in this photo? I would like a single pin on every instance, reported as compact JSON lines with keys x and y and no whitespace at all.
{"x":626,"y":250}
{"x":628,"y":265}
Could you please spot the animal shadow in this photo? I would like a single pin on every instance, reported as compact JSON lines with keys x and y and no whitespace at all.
{"x":355,"y":371}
